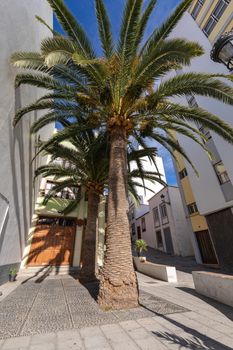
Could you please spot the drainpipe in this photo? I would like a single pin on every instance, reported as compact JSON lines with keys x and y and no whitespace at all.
{"x":5,"y":216}
{"x":6,"y":212}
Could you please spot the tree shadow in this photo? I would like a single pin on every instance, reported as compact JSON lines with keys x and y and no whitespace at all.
{"x":224,"y":309}
{"x":92,"y":287}
{"x":198,"y":339}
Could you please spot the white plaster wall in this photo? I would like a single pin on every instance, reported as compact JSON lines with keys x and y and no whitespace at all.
{"x":19,"y":31}
{"x":149,"y":234}
{"x":214,"y":285}
{"x":154,"y":187}
{"x":182,"y":228}
{"x":206,"y":188}
{"x":140,"y":210}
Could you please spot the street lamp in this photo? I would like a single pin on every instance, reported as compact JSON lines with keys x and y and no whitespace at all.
{"x":222,"y":51}
{"x":163,"y":199}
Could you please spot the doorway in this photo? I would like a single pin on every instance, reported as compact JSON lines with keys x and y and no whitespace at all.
{"x":139,"y":232}
{"x":206,"y":247}
{"x":52,"y":242}
{"x":168,"y":241}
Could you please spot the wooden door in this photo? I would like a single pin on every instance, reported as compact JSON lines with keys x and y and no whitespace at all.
{"x":52,"y":245}
{"x":168,"y":241}
{"x":206,"y":247}
{"x":139,"y":232}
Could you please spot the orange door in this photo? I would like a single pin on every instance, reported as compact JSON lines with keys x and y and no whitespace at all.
{"x":52,"y":245}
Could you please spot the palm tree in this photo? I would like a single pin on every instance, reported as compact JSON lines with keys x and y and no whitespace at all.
{"x":86,"y":164}
{"x":119,"y":88}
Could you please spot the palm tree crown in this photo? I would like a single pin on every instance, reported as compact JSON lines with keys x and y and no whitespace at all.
{"x":117,"y":92}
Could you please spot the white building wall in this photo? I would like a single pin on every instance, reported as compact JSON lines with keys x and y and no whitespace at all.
{"x":181,"y":225}
{"x":206,"y":188}
{"x":177,"y":222}
{"x":19,"y":31}
{"x":154,"y":187}
{"x":148,"y":235}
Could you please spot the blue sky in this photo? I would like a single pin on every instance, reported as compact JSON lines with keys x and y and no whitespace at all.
{"x":85,"y":13}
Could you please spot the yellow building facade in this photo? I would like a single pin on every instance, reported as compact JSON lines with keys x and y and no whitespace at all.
{"x":214,"y":17}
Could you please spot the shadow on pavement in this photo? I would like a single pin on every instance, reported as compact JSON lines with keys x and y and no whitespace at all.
{"x":198,"y":341}
{"x":224,"y":309}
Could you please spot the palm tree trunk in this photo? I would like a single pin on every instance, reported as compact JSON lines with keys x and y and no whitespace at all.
{"x":89,"y":249}
{"x":118,"y":284}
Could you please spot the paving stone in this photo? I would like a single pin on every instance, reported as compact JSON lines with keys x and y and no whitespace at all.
{"x":118,"y":338}
{"x":69,"y":339}
{"x":64,"y":307}
{"x":149,"y":342}
{"x":17,"y":342}
{"x":46,"y":346}
{"x":42,"y":339}
{"x":94,"y":338}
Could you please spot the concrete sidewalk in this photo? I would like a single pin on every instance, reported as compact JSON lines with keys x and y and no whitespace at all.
{"x":208,"y":325}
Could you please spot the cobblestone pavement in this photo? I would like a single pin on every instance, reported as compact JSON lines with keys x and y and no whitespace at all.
{"x":59,"y":303}
{"x":177,"y":318}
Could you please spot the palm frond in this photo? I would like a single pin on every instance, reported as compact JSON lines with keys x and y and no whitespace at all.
{"x":71,"y":26}
{"x":129,"y":29}
{"x":201,"y":117}
{"x":28,"y":60}
{"x":56,"y":189}
{"x":42,"y":21}
{"x":165,"y":29}
{"x":104,"y":28}
{"x":43,"y":81}
{"x":50,"y":104}
{"x":72,"y":205}
{"x":171,"y":53}
{"x":192,"y":83}
{"x":143,"y":21}
{"x":46,"y":120}
{"x":171,"y":144}
{"x":57,"y":50}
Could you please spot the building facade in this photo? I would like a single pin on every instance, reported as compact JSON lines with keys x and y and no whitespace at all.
{"x":208,"y":199}
{"x":139,"y":209}
{"x":164,"y":226}
{"x":19,"y":31}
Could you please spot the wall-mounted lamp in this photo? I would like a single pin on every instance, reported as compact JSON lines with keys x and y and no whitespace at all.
{"x":222,"y":51}
{"x":163,"y":199}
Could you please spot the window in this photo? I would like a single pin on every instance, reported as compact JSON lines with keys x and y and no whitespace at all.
{"x":163,"y":210}
{"x":163,"y":213}
{"x":206,"y":133}
{"x":62,"y":162}
{"x":221,"y":173}
{"x":220,"y":8}
{"x":143,"y":225}
{"x":183,"y":173}
{"x":65,"y":193}
{"x":197,"y":8}
{"x":215,"y":16}
{"x":192,"y":208}
{"x":139,"y":232}
{"x":132,"y":214}
{"x":43,"y":220}
{"x":133,"y":229}
{"x":209,"y":26}
{"x":156,"y":216}
{"x":191,"y":101}
{"x":159,"y":239}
